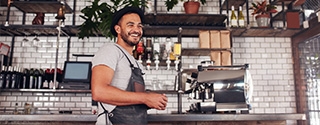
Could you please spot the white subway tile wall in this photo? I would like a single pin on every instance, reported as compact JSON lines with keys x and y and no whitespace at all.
{"x":269,"y":59}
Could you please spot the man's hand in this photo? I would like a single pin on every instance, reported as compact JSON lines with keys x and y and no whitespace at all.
{"x":156,"y":101}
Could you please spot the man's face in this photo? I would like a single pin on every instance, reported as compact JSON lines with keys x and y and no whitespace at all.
{"x":130,"y":28}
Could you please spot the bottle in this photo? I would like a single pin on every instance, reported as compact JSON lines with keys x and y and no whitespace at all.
{"x":177,"y":49}
{"x":45,"y":84}
{"x":172,"y":54}
{"x":15,"y":111}
{"x":3,"y":77}
{"x":13,"y":78}
{"x":18,"y":77}
{"x":31,"y":79}
{"x":156,"y":46}
{"x":25,"y":79}
{"x":148,"y":50}
{"x":27,"y":108}
{"x":8,"y":77}
{"x":241,"y":18}
{"x":168,"y":49}
{"x":140,"y":49}
{"x":41,"y":79}
{"x":233,"y":18}
{"x":163,"y":52}
{"x":37,"y":83}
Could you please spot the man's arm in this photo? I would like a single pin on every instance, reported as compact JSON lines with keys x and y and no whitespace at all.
{"x":102,"y":91}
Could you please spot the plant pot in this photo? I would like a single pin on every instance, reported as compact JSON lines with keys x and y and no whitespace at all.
{"x":39,"y":19}
{"x":191,"y":7}
{"x":263,"y":20}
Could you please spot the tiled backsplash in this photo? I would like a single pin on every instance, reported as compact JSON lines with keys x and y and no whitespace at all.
{"x":46,"y":102}
{"x":269,"y":58}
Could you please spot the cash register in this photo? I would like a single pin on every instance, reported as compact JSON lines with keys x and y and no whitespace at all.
{"x":77,"y":75}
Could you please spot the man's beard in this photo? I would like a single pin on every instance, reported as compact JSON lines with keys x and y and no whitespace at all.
{"x":126,"y":40}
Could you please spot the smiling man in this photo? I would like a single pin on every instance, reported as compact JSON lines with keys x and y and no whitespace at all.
{"x":117,"y":82}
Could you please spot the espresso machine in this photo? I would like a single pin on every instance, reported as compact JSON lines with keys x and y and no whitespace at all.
{"x":220,"y":89}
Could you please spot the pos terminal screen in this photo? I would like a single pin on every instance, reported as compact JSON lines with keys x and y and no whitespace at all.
{"x":75,"y":71}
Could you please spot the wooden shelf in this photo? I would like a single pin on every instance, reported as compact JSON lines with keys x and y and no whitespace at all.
{"x":40,"y":6}
{"x":263,"y":32}
{"x":173,"y":31}
{"x":235,"y":3}
{"x":214,"y":20}
{"x":199,"y":51}
{"x":40,"y":30}
{"x":149,"y":31}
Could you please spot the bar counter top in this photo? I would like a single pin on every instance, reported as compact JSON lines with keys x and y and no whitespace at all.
{"x":158,"y":117}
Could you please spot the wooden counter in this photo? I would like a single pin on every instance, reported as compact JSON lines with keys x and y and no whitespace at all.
{"x":157,"y":119}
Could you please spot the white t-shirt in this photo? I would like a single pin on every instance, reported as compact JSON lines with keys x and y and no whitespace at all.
{"x":111,"y":56}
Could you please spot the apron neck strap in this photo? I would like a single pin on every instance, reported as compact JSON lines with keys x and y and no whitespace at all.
{"x":131,"y":65}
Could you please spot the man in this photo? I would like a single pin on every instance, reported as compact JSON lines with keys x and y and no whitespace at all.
{"x":117,"y":82}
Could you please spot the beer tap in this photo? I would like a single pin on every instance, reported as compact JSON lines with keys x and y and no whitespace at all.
{"x":168,"y":50}
{"x":176,"y":62}
{"x":157,"y":61}
{"x":156,"y":52}
{"x":148,"y":62}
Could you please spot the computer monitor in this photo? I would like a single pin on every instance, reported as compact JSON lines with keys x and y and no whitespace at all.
{"x":75,"y":71}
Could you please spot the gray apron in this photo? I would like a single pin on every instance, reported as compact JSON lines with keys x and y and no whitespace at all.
{"x":130,"y":114}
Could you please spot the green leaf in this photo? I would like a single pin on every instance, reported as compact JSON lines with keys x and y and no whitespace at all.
{"x":98,"y":16}
{"x":170,"y":4}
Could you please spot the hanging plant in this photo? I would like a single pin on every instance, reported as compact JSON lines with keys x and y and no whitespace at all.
{"x":98,"y":17}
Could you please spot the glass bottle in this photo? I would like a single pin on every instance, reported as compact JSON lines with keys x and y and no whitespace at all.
{"x":8,"y":77}
{"x":140,"y":49}
{"x":233,"y":18}
{"x":177,"y":49}
{"x":148,"y":50}
{"x":41,"y":79}
{"x":13,"y":78}
{"x":36,"y":83}
{"x":241,"y":18}
{"x":15,"y":111}
{"x":18,"y":78}
{"x":3,"y":77}
{"x":156,"y":47}
{"x":31,"y":79}
{"x":25,"y":79}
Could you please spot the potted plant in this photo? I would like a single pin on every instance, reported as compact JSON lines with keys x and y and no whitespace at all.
{"x":98,"y":16}
{"x":263,"y":11}
{"x":190,"y":6}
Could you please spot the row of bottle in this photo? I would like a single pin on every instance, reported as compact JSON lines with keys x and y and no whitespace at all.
{"x":18,"y":78}
{"x":155,"y":50}
{"x":237,"y":21}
